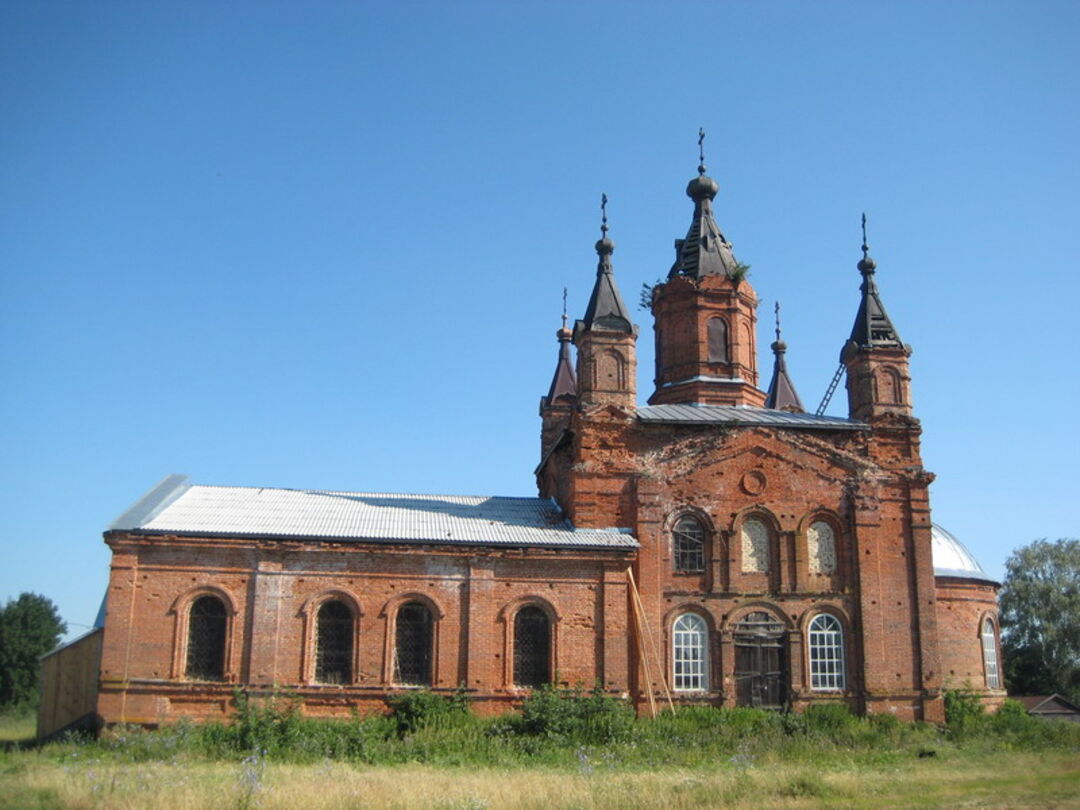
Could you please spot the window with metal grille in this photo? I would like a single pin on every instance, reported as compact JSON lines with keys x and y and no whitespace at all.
{"x":689,"y":636}
{"x":990,"y":659}
{"x":334,"y":643}
{"x":412,"y":647}
{"x":689,"y":542}
{"x":206,"y":639}
{"x":532,"y":647}
{"x":826,"y":643}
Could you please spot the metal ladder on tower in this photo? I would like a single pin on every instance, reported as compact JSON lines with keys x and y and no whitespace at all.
{"x":828,"y":394}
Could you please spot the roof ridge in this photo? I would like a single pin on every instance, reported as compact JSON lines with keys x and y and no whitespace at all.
{"x":370,"y":492}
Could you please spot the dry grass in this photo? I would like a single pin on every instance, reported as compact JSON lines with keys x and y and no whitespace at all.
{"x":1003,"y":780}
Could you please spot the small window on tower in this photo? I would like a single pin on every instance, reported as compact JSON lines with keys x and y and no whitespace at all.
{"x":718,"y":341}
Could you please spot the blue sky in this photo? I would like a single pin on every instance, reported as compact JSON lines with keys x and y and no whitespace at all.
{"x":324,"y":244}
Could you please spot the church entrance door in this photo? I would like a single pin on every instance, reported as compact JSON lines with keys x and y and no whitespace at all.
{"x":760,"y":662}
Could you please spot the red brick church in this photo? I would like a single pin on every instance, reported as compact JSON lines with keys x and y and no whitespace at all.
{"x":718,"y":545}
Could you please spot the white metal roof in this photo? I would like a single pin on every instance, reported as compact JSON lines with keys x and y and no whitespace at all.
{"x":175,"y":506}
{"x":951,"y":557}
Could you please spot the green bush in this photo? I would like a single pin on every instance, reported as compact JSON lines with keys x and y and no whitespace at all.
{"x":964,"y":711}
{"x":570,"y":716}
{"x":420,"y":708}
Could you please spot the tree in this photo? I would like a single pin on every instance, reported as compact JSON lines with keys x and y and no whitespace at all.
{"x":30,"y":626}
{"x":1040,"y":618}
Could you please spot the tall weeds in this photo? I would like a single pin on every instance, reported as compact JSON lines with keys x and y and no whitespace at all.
{"x":571,"y":729}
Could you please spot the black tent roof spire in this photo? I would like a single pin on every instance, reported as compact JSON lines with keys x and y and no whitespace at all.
{"x":782,"y":395}
{"x":606,"y":309}
{"x":563,"y":383}
{"x":872,"y":326}
{"x":704,"y":251}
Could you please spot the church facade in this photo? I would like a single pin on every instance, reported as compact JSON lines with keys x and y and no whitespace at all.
{"x":717,"y":545}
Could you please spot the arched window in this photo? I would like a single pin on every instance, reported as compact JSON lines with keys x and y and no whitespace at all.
{"x":532,"y":647}
{"x":334,"y":643}
{"x":718,"y":342}
{"x":755,"y":546}
{"x":689,"y":660}
{"x":207,"y":621}
{"x":689,"y":545}
{"x":412,"y":647}
{"x":821,"y":547}
{"x":826,"y":643}
{"x":990,"y":658}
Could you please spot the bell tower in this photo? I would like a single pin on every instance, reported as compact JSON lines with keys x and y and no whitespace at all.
{"x":876,"y":361}
{"x":557,"y":407}
{"x":606,"y":339}
{"x":705,"y":315}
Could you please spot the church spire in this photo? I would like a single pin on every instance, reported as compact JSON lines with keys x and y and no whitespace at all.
{"x":564,"y":384}
{"x":878,"y":378}
{"x":704,"y":251}
{"x":872,"y":326}
{"x":705,"y":315}
{"x":782,"y":395}
{"x":606,"y":308}
{"x":606,"y":337}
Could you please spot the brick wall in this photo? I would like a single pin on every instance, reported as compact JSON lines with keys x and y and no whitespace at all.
{"x":272,"y":590}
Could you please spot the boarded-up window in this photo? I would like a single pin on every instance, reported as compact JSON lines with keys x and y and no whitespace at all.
{"x":718,"y":340}
{"x":334,"y":643}
{"x":755,"y":546}
{"x":206,"y":639}
{"x":412,"y":647}
{"x":532,"y":647}
{"x":610,"y":371}
{"x":821,"y":547}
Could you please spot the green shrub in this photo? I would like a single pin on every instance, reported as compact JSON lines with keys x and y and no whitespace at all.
{"x":420,"y":708}
{"x":570,"y":716}
{"x":964,"y":711}
{"x":830,"y":718}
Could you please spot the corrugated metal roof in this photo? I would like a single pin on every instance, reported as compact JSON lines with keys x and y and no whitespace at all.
{"x":362,"y":516}
{"x":742,"y":416}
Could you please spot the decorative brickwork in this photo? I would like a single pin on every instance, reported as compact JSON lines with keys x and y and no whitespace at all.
{"x":777,"y":563}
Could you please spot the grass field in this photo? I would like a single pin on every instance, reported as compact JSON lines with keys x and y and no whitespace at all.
{"x":561,"y":750}
{"x":18,"y":726}
{"x":952,"y":779}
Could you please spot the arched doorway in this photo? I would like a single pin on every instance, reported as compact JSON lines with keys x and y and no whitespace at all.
{"x":761,"y":673}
